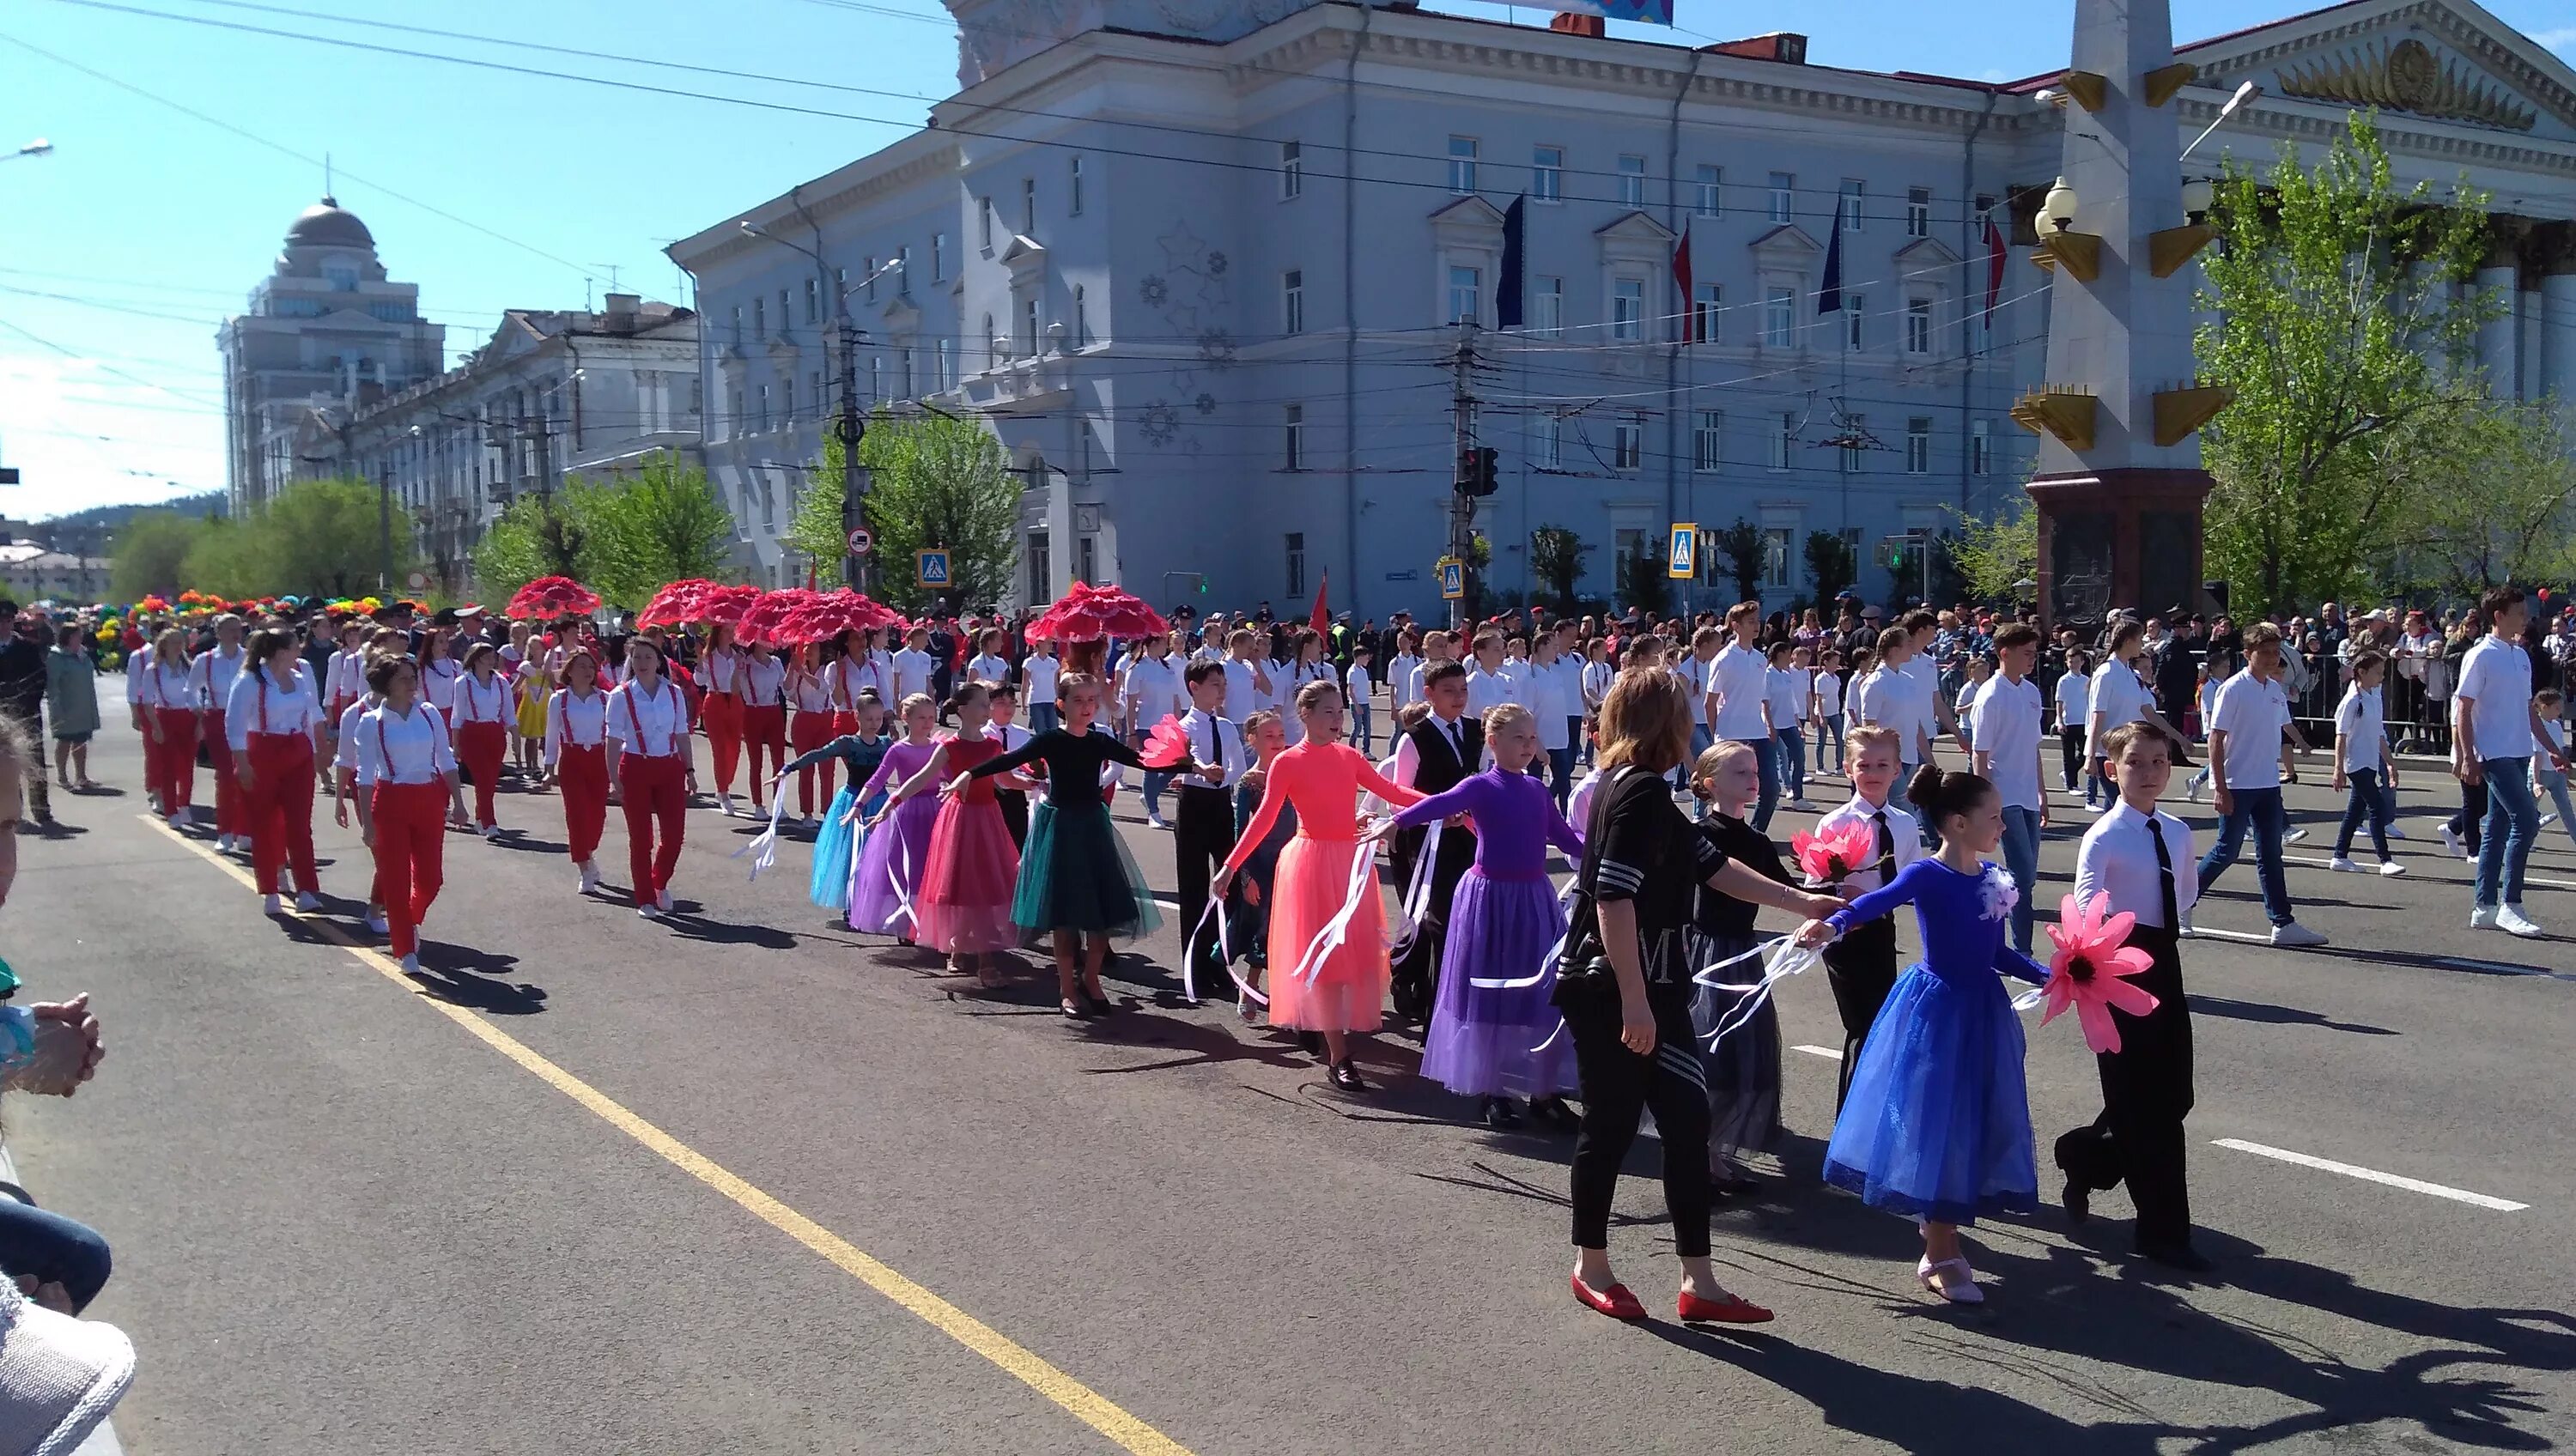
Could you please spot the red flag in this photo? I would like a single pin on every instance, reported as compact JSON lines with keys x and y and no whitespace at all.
{"x":1682,"y":283}
{"x":1994,"y":267}
{"x":1322,"y":623}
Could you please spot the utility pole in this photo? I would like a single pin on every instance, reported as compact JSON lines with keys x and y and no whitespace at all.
{"x":853,"y":429}
{"x":385,"y":525}
{"x":1462,"y":501}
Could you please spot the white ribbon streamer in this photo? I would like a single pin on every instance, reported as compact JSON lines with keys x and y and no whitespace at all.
{"x":1548,"y":964}
{"x":766,"y":845}
{"x":1363,"y":881}
{"x":1417,"y":895}
{"x":1786,"y":958}
{"x":900,"y":859}
{"x":1224,"y":948}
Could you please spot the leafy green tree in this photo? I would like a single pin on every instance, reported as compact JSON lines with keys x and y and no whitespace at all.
{"x":1642,"y":583}
{"x":1742,"y":546}
{"x":941,"y":482}
{"x":816,"y":529}
{"x":652,"y":526}
{"x":1994,"y":554}
{"x":2492,"y":501}
{"x":233,"y":558}
{"x":1832,"y":565}
{"x":148,"y":552}
{"x":2332,"y":310}
{"x":1556,"y":557}
{"x":537,"y":535}
{"x":328,"y":535}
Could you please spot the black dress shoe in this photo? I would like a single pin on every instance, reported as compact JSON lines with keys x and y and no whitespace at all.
{"x":1500,"y":1114}
{"x":1100,"y":1005}
{"x":2079,"y":1202}
{"x":1347,"y":1077}
{"x":2177,"y":1256}
{"x":1074,"y":1009}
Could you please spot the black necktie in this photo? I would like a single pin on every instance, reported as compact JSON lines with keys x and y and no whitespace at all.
{"x":1216,"y":751}
{"x":2164,"y":874}
{"x":1886,"y":850}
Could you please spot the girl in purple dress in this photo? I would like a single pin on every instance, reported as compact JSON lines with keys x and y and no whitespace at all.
{"x":887,"y":874}
{"x":1502,"y":921}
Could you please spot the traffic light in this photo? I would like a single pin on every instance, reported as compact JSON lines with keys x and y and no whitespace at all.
{"x":1476,"y":471}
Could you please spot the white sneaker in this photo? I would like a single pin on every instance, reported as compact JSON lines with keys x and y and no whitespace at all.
{"x":2452,"y":841}
{"x":2483,"y":918}
{"x":2191,"y":793}
{"x":725,"y":802}
{"x":649,"y":912}
{"x":178,"y":819}
{"x":589,"y":876}
{"x":2186,"y":928}
{"x":2343,"y":862}
{"x":224,"y":843}
{"x":59,"y":1376}
{"x":1155,"y":821}
{"x":376,"y":922}
{"x":2396,"y":833}
{"x":662,"y":902}
{"x":2294,"y":935}
{"x":307,"y":902}
{"x":2512,"y":921}
{"x":411,"y":964}
{"x":2548,"y":819}
{"x":272,"y":905}
{"x":2294,"y":836}
{"x":2391,"y":868}
{"x":1801,"y":805}
{"x":490,"y":831}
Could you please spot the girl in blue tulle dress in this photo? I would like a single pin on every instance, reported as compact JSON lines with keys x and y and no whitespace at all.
{"x":1937,"y":1126}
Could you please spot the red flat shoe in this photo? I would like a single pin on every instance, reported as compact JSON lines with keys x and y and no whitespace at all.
{"x":1732,"y":1310}
{"x":1617,"y":1302}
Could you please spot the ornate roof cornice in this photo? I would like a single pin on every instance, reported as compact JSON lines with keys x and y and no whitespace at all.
{"x":2280,"y":44}
{"x":2453,"y":142}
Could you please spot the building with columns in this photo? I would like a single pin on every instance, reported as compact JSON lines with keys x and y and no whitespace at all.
{"x":1210,"y":283}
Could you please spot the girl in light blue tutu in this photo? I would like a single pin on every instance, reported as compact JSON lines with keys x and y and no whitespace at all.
{"x":1937,"y":1126}
{"x":836,"y":842}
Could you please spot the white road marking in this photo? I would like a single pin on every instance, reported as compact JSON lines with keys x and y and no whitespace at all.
{"x":2373,"y":1175}
{"x":1831,"y":1054}
{"x":2438,"y":856}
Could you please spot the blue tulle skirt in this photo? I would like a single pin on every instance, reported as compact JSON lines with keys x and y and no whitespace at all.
{"x":835,"y":845}
{"x":1937,"y":1125}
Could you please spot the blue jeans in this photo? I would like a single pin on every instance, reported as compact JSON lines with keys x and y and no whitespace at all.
{"x":1560,"y":772}
{"x":2513,"y":822}
{"x":1360,"y":723}
{"x":1154,"y":783}
{"x":1042,"y":717}
{"x":2364,"y":805}
{"x":1793,"y":758}
{"x":1575,"y":735}
{"x":2554,"y":783}
{"x":1829,"y":726}
{"x":1766,"y":755}
{"x":2021,"y":861}
{"x":2261,"y":809}
{"x":53,"y":1250}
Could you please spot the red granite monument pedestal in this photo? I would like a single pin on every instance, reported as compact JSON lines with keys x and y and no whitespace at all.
{"x":2118,"y":538}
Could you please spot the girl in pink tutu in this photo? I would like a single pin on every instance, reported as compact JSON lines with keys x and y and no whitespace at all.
{"x":1317,"y":983}
{"x":962,"y":904}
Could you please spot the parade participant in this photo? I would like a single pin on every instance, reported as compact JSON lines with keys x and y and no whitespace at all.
{"x":346,"y":794}
{"x":1322,"y":985}
{"x":2002,"y":728}
{"x":1014,"y":801}
{"x":276,"y":731}
{"x":910,"y":670}
{"x":988,"y":665}
{"x":2119,"y":696}
{"x":483,"y":718}
{"x":1076,"y":878}
{"x":168,"y":696}
{"x":1861,"y":965}
{"x":407,"y":769}
{"x":1738,"y":683}
{"x":1888,"y":697}
{"x":809,"y":724}
{"x":1361,"y":693}
{"x":439,"y":671}
{"x":760,"y":683}
{"x":1502,"y":921}
{"x":2245,"y":766}
{"x":2362,"y":761}
{"x":1825,"y":710}
{"x":720,"y":709}
{"x":2074,"y":694}
{"x":1247,"y":682}
{"x":576,"y":748}
{"x":651,"y":774}
{"x":1938,"y":1124}
{"x":344,"y":675}
{"x":2215,"y":670}
{"x":2138,"y":859}
{"x":2550,"y":753}
{"x":1151,"y":688}
{"x":886,"y":874}
{"x":963,"y":900}
{"x":1488,"y":685}
{"x":1038,"y":673}
{"x":1433,"y":757}
{"x":2496,"y":730}
{"x":1792,"y":692}
{"x":1203,"y":823}
{"x":532,"y":689}
{"x":1552,"y":689}
{"x":210,"y":679}
{"x":1743,"y":1067}
{"x":1403,"y":685}
{"x":1598,"y":672}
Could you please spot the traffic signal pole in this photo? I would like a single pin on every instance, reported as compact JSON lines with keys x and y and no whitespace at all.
{"x":1462,"y":501}
{"x":853,"y":429}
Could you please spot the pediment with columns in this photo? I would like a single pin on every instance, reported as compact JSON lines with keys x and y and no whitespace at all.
{"x":2448,"y":62}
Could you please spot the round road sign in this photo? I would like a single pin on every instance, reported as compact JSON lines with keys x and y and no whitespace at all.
{"x":860,"y":540}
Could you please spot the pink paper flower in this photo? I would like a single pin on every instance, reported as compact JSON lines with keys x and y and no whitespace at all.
{"x":1827,"y":857}
{"x":2088,"y":970}
{"x":1167,"y":745}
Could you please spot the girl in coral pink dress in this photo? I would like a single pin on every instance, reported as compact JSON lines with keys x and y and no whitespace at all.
{"x":971,"y":869}
{"x":1318,"y":983}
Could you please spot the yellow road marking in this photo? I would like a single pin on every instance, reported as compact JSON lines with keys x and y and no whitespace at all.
{"x":1085,"y":1404}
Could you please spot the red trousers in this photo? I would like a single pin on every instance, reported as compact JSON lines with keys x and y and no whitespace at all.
{"x":229,"y":818}
{"x":805,"y":733}
{"x":279,"y":804}
{"x":411,"y":840}
{"x":654,"y":800}
{"x":722,"y":714}
{"x":583,"y":774}
{"x":482,"y":747}
{"x":764,"y":729}
{"x":171,"y":764}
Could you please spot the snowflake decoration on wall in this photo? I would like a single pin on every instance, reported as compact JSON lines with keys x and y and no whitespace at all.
{"x":1154,"y":290}
{"x":1158,"y":423}
{"x":1216,"y":348}
{"x":1206,"y":403}
{"x":1216,"y":264}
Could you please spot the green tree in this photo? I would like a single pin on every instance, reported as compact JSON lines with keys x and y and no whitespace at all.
{"x":1832,"y":565}
{"x":2493,"y":500}
{"x":233,"y":559}
{"x":1556,"y":558}
{"x":816,"y":529}
{"x":1994,"y":554}
{"x":1742,"y":546}
{"x":537,"y":535}
{"x":1642,"y":583}
{"x":2332,"y":311}
{"x":941,"y":482}
{"x":148,"y":552}
{"x":649,"y":527}
{"x":327,"y":535}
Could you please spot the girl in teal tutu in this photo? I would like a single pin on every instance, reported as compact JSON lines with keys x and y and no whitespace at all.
{"x":836,"y":842}
{"x":1937,"y":1126}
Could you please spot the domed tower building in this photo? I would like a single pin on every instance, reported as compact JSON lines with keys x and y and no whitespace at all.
{"x":326,"y":333}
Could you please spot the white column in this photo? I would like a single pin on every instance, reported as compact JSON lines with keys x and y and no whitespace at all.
{"x":2527,"y":338}
{"x":2496,"y":349}
{"x":2558,"y":333}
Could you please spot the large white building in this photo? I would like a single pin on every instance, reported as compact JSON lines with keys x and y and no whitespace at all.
{"x":1202,"y":273}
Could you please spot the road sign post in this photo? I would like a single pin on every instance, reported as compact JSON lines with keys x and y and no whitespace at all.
{"x":1453,"y":579}
{"x":930,"y":568}
{"x":1681,"y":563}
{"x":861,"y":542}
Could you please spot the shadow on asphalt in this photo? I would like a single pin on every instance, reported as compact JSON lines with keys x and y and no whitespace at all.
{"x":462,"y":976}
{"x":2203,"y":1004}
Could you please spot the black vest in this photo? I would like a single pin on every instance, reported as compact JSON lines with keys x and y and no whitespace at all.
{"x":1436,"y":769}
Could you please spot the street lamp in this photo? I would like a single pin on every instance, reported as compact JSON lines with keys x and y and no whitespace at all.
{"x":37,"y":148}
{"x":2057,"y":209}
{"x":2197,"y":195}
{"x":2244,"y":93}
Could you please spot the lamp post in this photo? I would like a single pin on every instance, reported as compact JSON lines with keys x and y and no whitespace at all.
{"x":37,"y":148}
{"x":852,"y":425}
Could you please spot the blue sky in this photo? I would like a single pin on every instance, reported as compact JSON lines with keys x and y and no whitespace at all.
{"x":123,"y":250}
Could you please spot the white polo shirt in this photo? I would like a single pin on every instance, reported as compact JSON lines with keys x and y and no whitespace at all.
{"x":2496,"y":679}
{"x":2251,"y":712}
{"x":1740,"y":677}
{"x":2359,"y":723}
{"x":2003,"y":723}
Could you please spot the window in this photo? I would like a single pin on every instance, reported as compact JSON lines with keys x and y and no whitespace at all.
{"x":1296,"y":563}
{"x":783,"y":315}
{"x":1706,"y":196}
{"x":1706,"y":440}
{"x":813,"y":301}
{"x":760,"y":318}
{"x":903,"y":373}
{"x":1462,"y":164}
{"x":787,"y":400}
{"x":1547,"y":440}
{"x":341,"y":277}
{"x":1779,"y":318}
{"x":984,"y":224}
{"x":939,"y":257}
{"x":1855,"y":310}
{"x":1086,"y":564}
{"x":1918,"y":212}
{"x":1292,"y":442}
{"x":1073,"y":188}
{"x":1081,"y":319}
{"x":1981,"y":448}
{"x":1784,"y":434}
{"x":1632,"y":180}
{"x":1029,"y":205}
{"x":1547,"y":308}
{"x":1627,"y":308}
{"x":1628,"y":443}
{"x":876,"y":377}
{"x":1029,"y":326}
{"x":1292,"y":301}
{"x":868,"y":271}
{"x":1041,"y":569}
{"x":1918,"y":326}
{"x":991,"y":343}
{"x":1851,"y":452}
{"x":941,"y":377}
{"x":737,"y":326}
{"x":1466,"y":295}
{"x":1854,"y":201}
{"x":903,"y":262}
{"x":1292,"y":170}
{"x":814,"y":391}
{"x":1775,"y":556}
{"x":762,"y":419}
{"x":740,"y":421}
{"x":1708,"y":304}
{"x":1918,"y":445}
{"x":1784,"y":186}
{"x":1547,"y":174}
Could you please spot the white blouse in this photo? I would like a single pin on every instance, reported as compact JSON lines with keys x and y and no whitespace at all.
{"x":481,"y":702}
{"x":760,"y":679}
{"x":282,"y":709}
{"x":166,"y":687}
{"x":345,"y":733}
{"x":211,"y":676}
{"x":807,"y":693}
{"x":403,"y":748}
{"x":438,"y":682}
{"x":573,"y":719}
{"x":649,"y":725}
{"x":1904,"y":839}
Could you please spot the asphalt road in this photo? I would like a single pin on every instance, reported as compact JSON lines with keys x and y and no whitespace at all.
{"x":751,"y":1183}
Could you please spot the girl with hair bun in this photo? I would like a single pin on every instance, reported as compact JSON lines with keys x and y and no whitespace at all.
{"x":971,"y":867}
{"x":886,"y":874}
{"x":1937,"y":1126}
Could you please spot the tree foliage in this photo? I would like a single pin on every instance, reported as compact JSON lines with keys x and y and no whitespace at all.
{"x":1742,"y":546}
{"x":1642,"y":583}
{"x":1832,"y":565}
{"x":1994,"y":554}
{"x":2332,"y":311}
{"x":316,"y":536}
{"x":941,"y":482}
{"x":1556,"y":558}
{"x":536,"y":535}
{"x":148,"y":554}
{"x":816,"y":528}
{"x":652,"y":526}
{"x":2493,"y":500}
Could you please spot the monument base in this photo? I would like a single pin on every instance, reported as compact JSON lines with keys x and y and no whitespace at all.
{"x":2118,"y":538}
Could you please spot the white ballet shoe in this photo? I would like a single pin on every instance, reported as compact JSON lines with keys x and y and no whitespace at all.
{"x":377,"y":923}
{"x":1951,"y":1279}
{"x":662,"y":902}
{"x":272,"y":905}
{"x":411,"y":964}
{"x":589,"y":876}
{"x":307,"y":902}
{"x":725,"y":802}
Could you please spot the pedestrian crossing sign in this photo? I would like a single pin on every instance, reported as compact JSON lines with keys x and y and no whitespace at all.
{"x":930,"y":568}
{"x":1682,"y":562}
{"x":1453,"y":579}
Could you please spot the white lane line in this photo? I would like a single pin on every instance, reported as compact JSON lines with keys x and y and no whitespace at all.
{"x":1831,"y":1054}
{"x":2543,"y":881}
{"x":2373,"y":1175}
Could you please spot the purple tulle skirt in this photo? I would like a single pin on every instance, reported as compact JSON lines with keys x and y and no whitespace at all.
{"x":1481,"y":1041}
{"x":893,"y":850}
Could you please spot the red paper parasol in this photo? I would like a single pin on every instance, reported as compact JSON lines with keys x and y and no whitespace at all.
{"x":831,"y":613}
{"x":1095,"y":613}
{"x":762,"y":621}
{"x":675,"y":604}
{"x":549,"y":597}
{"x":726,"y":604}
